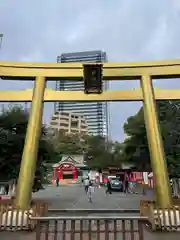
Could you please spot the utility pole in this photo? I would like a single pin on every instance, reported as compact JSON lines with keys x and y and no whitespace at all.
{"x":1,"y":38}
{"x":26,"y":106}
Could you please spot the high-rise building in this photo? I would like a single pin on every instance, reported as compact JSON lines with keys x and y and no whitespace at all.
{"x":96,"y":113}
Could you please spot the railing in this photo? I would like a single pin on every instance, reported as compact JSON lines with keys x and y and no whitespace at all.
{"x":90,"y":227}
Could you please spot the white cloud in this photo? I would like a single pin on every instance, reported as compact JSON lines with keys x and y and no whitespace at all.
{"x":32,"y":56}
{"x":128,"y":30}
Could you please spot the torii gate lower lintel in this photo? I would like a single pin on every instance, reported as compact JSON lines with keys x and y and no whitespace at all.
{"x":41,"y":72}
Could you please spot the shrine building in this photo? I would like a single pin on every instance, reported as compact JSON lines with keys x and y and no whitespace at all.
{"x":69,"y":169}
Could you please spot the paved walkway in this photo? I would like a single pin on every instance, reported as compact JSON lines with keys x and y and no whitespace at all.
{"x":74,"y":197}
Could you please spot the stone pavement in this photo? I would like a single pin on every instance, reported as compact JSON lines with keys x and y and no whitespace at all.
{"x":74,"y":197}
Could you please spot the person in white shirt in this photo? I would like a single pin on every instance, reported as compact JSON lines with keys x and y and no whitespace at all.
{"x":90,"y":191}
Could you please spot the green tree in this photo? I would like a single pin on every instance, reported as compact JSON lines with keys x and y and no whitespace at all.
{"x":136,"y":145}
{"x":97,"y":152}
{"x":70,"y":144}
{"x":13,"y":125}
{"x":116,"y":150}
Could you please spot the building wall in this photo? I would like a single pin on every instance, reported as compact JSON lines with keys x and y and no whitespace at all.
{"x":68,"y":122}
{"x":96,"y":113}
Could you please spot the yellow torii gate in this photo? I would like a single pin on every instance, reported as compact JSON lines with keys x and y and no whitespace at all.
{"x":40,"y":72}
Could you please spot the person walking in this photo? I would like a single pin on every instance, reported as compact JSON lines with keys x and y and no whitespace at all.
{"x":86,"y":184}
{"x":57,"y":182}
{"x":90,"y":191}
{"x":108,"y":189}
{"x":7,"y":189}
{"x":126,"y":185}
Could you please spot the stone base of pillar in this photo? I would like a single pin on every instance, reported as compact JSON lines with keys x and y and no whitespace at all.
{"x":16,"y":219}
{"x":13,"y":218}
{"x":167,"y":219}
{"x":161,"y":219}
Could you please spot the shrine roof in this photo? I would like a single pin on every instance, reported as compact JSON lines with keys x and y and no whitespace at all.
{"x":76,"y":160}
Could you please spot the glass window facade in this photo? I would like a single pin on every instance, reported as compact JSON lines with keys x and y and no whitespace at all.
{"x":95,"y":113}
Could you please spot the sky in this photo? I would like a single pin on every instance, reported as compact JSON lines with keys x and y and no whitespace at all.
{"x":127,"y":30}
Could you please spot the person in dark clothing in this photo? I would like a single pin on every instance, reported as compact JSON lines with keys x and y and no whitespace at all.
{"x":86,"y":184}
{"x":57,"y":182}
{"x":126,"y":185}
{"x":108,"y":190}
{"x":7,"y":189}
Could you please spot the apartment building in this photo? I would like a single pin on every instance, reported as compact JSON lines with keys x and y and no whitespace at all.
{"x":68,"y":122}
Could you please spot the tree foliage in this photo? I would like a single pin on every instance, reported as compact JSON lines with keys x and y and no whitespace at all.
{"x":13,"y":125}
{"x":98,"y":153}
{"x":136,"y":145}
